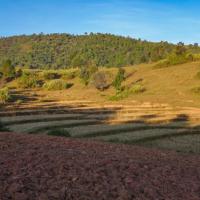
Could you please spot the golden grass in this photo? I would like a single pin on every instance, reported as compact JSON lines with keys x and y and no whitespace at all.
{"x":167,"y":85}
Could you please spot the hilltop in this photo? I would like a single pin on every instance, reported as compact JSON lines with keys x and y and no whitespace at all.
{"x":57,"y":51}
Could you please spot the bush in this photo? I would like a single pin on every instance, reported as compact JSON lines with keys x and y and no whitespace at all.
{"x":100,"y":81}
{"x":50,"y":75}
{"x":59,"y":132}
{"x":175,"y":59}
{"x":120,"y":95}
{"x":196,"y":57}
{"x":136,"y":89}
{"x":69,"y":75}
{"x":28,"y":80}
{"x":126,"y":92}
{"x":19,"y":73}
{"x":8,"y":70}
{"x":86,"y":73}
{"x":4,"y":95}
{"x":120,"y":77}
{"x":179,"y":59}
{"x":1,"y":75}
{"x":57,"y":85}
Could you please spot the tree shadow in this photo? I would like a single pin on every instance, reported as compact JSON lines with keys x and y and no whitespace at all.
{"x":19,"y":95}
{"x":179,"y":126}
{"x":184,"y":137}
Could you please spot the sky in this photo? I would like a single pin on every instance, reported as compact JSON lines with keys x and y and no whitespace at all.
{"x":153,"y":20}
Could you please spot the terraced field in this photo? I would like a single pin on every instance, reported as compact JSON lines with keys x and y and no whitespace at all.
{"x":153,"y":125}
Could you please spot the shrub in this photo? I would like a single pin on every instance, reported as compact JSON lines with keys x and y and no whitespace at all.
{"x":136,"y":89}
{"x":1,"y":75}
{"x":8,"y":69}
{"x":120,"y":77}
{"x":175,"y":59}
{"x":57,"y":85}
{"x":86,"y":73}
{"x":180,"y":49}
{"x":196,"y":57}
{"x":120,"y":95}
{"x":19,"y":73}
{"x":28,"y":80}
{"x":69,"y":75}
{"x":127,"y":91}
{"x":59,"y":132}
{"x":100,"y":81}
{"x":179,"y":59}
{"x":50,"y":75}
{"x":4,"y":95}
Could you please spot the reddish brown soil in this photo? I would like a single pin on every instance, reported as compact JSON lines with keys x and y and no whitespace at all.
{"x":48,"y":168}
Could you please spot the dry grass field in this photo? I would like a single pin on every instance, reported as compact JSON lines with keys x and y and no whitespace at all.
{"x":166,"y":115}
{"x":172,"y":85}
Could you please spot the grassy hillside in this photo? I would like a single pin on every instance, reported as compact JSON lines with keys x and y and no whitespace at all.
{"x":176,"y":85}
{"x":173,"y":84}
{"x":152,"y":107}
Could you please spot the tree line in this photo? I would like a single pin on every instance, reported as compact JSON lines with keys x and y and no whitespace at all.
{"x":55,"y":51}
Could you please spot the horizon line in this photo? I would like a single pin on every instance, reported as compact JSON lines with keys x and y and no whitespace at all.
{"x":95,"y":33}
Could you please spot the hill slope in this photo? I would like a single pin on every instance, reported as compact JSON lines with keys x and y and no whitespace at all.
{"x":172,"y":85}
{"x":64,"y":50}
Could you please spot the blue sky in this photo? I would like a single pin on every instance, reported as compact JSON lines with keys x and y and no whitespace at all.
{"x":155,"y":20}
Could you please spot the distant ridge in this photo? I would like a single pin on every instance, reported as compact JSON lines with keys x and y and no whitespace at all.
{"x":54,"y":51}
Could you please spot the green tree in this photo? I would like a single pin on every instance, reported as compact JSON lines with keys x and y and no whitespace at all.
{"x":78,"y":61}
{"x":120,"y":77}
{"x":180,"y":49}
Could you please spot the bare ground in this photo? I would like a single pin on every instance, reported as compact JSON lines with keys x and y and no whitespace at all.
{"x":51,"y":168}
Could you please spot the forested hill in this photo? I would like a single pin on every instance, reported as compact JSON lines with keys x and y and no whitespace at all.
{"x":64,"y":50}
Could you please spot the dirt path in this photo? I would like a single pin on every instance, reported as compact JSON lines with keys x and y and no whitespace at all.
{"x":50,"y":168}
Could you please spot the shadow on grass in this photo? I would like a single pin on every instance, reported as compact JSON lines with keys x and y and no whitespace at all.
{"x":183,"y":137}
{"x":179,"y":126}
{"x":25,"y":98}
